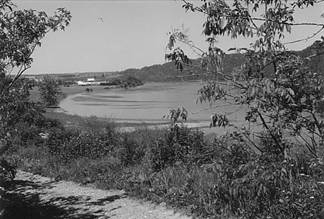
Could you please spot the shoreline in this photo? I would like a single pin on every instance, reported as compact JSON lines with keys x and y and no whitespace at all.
{"x":126,"y":125}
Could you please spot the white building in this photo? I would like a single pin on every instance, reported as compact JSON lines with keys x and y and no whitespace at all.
{"x":90,"y":80}
{"x":83,"y":83}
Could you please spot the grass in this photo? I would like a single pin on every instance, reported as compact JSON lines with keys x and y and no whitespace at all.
{"x":96,"y":123}
{"x":78,"y":122}
{"x":177,"y":166}
{"x":95,"y":153}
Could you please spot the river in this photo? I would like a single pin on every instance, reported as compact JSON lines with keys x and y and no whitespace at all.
{"x":148,"y":104}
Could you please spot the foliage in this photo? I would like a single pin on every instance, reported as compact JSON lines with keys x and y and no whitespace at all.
{"x":231,"y":66}
{"x":177,"y":166}
{"x":179,"y":145}
{"x":50,"y":91}
{"x":130,"y":82}
{"x":21,"y":32}
{"x":19,"y":116}
{"x":73,"y":144}
{"x":284,"y":100}
{"x":283,"y":92}
{"x":227,"y":177}
{"x":7,"y":172}
{"x":15,"y":103}
{"x":177,"y":115}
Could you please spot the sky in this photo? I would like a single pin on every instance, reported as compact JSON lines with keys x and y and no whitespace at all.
{"x":114,"y":35}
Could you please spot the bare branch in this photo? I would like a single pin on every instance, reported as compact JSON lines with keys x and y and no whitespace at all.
{"x":307,"y":38}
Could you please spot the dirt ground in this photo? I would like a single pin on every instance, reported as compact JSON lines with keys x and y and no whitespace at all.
{"x":34,"y":197}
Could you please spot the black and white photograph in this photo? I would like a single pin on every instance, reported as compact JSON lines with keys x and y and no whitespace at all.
{"x":161,"y":109}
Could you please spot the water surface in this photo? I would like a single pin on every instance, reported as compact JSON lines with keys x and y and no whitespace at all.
{"x":148,"y":103}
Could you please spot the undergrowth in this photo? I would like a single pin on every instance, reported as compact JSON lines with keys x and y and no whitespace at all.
{"x":215,"y":179}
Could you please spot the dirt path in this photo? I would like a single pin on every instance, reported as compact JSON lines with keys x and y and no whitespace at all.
{"x":41,"y":197}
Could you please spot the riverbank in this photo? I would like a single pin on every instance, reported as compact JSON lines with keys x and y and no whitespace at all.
{"x":124,"y":125}
{"x":147,"y":105}
{"x":140,"y":107}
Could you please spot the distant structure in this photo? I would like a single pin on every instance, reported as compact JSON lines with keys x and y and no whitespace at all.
{"x":81,"y":79}
{"x":88,"y":82}
{"x":83,"y":83}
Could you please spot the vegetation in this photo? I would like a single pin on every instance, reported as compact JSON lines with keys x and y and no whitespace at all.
{"x":283,"y":101}
{"x":279,"y":175}
{"x":131,"y":82}
{"x":283,"y":92}
{"x":178,"y":166}
{"x":21,"y":32}
{"x":124,"y":82}
{"x":50,"y":91}
{"x":231,"y":62}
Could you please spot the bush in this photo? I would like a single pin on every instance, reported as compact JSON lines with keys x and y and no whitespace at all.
{"x":50,"y":91}
{"x":7,"y":172}
{"x":129,"y":152}
{"x":73,"y":144}
{"x":180,"y":144}
{"x":235,"y":182}
{"x":219,"y":179}
{"x":272,"y":190}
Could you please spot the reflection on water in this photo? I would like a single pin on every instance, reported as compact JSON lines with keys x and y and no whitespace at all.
{"x":147,"y":103}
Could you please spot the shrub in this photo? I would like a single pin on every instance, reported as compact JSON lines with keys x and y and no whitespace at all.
{"x":50,"y":91}
{"x":219,"y":179}
{"x":69,"y":145}
{"x":129,"y":152}
{"x":272,"y":189}
{"x":180,"y":144}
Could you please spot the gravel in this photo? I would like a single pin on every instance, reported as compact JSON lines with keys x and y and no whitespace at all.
{"x":85,"y":200}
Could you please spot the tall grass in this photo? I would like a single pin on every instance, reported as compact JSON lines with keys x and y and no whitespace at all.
{"x":215,"y":179}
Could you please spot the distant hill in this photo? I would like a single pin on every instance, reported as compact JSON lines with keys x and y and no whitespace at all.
{"x":168,"y":71}
{"x":316,"y":63}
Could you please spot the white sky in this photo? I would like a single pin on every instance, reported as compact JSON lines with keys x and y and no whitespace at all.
{"x":110,"y":35}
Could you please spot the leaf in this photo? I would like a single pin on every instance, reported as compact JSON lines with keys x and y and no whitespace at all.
{"x":290,"y":91}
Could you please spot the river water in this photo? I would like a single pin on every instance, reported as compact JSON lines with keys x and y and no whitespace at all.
{"x":148,"y":104}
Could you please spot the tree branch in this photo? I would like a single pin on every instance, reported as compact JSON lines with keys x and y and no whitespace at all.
{"x":270,"y":132}
{"x":307,"y":38}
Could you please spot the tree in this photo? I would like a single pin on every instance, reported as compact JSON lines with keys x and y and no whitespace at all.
{"x":282,"y":93}
{"x":20,"y":33}
{"x":50,"y":91}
